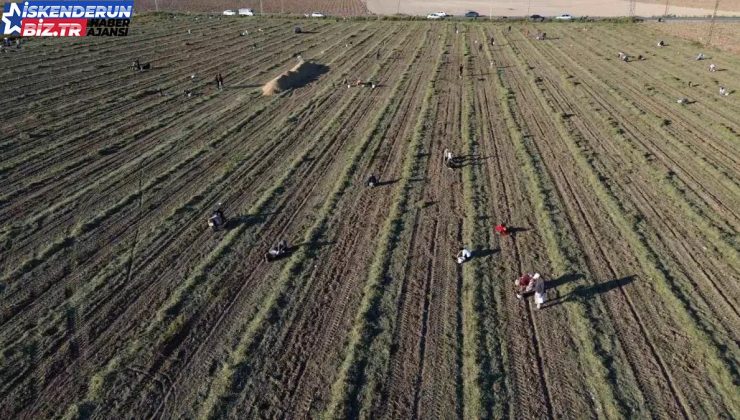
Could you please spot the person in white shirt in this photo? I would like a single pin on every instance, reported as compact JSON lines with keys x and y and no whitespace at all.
{"x":463,"y":256}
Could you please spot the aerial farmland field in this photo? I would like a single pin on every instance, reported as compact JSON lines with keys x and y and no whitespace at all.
{"x":118,"y":301}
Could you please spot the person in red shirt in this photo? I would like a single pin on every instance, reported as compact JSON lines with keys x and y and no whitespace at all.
{"x":524,"y":284}
{"x":502,"y":229}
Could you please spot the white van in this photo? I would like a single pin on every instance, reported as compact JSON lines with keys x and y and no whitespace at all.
{"x":246,"y":12}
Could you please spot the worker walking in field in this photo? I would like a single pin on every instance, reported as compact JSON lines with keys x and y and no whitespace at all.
{"x":219,"y":81}
{"x":712,"y":67}
{"x":372,"y":181}
{"x":492,"y":41}
{"x":723,"y":91}
{"x":461,"y":71}
{"x":539,"y":291}
{"x":502,"y":229}
{"x":661,"y":43}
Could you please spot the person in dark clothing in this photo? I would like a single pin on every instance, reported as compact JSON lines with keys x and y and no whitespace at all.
{"x":372,"y":181}
{"x":461,"y":71}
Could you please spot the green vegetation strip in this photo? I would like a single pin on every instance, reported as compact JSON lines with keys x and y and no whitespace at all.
{"x":559,"y":249}
{"x":169,"y":316}
{"x":724,"y":242}
{"x":370,"y":326}
{"x":662,"y":280}
{"x":478,"y":360}
{"x":294,"y":274}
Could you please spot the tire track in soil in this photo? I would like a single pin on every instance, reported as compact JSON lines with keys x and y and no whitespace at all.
{"x":425,"y":362}
{"x":563,"y":403}
{"x":531,"y":398}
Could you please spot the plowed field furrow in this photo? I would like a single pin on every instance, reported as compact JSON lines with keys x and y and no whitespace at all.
{"x":532,"y":397}
{"x":357,"y":112}
{"x":118,"y":301}
{"x":649,"y":36}
{"x":345,"y":129}
{"x":134,"y":110}
{"x":266,"y":154}
{"x":678,"y":65}
{"x":318,"y":332}
{"x":142,"y":140}
{"x":540,"y":130}
{"x":148,"y":50}
{"x":682,"y":247}
{"x":99,"y":94}
{"x":682,"y":241}
{"x":709,"y":178}
{"x":631,"y":75}
{"x":712,"y":146}
{"x":642,"y":318}
{"x":434,"y":316}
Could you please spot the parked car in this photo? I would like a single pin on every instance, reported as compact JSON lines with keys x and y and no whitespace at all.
{"x":564,"y":16}
{"x":472,"y":14}
{"x":437,"y":15}
{"x":317,"y":15}
{"x":229,"y":13}
{"x":537,"y":18}
{"x":246,"y":12}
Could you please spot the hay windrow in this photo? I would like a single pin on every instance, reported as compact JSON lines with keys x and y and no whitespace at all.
{"x":300,"y":75}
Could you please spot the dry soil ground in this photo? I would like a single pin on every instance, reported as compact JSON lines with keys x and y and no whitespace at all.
{"x":118,"y":301}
